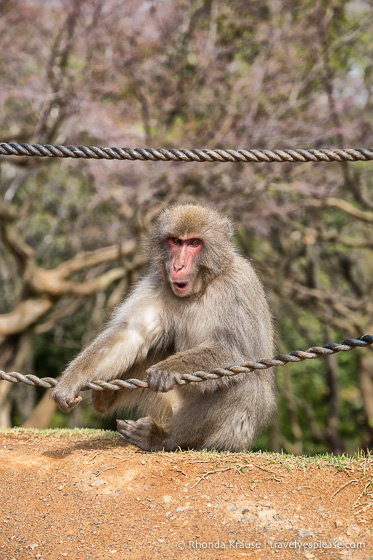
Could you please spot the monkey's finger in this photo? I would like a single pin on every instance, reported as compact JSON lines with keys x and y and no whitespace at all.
{"x":159,"y":380}
{"x":75,"y":402}
{"x":63,"y":406}
{"x":67,"y":406}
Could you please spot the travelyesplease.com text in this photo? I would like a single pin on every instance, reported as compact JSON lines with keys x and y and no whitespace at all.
{"x":234,"y":544}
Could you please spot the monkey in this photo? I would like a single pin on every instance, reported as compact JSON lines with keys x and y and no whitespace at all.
{"x":201,"y":306}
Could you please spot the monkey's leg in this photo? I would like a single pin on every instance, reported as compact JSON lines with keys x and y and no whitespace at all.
{"x":107,"y":401}
{"x":103,"y":400}
{"x":145,"y":433}
{"x":225,"y":420}
{"x":149,"y":433}
{"x":201,"y":421}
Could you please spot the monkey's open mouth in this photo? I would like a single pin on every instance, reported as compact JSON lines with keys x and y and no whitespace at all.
{"x":181,"y":285}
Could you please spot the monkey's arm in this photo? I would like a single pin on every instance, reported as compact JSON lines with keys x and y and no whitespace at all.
{"x":166,"y":374}
{"x":134,"y":329}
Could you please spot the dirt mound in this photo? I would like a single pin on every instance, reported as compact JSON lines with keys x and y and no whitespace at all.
{"x":84,"y":495}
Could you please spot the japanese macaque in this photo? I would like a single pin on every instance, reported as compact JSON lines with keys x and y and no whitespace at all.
{"x":200,"y":307}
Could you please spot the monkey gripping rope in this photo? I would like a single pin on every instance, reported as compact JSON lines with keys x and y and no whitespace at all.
{"x":194,"y":155}
{"x":172,"y":154}
{"x":279,"y":360}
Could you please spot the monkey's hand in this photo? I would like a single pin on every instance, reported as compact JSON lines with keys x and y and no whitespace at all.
{"x":66,"y":397}
{"x":162,"y":380}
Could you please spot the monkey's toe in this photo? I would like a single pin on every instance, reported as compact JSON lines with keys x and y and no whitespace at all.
{"x":135,"y":432}
{"x":144,"y":433}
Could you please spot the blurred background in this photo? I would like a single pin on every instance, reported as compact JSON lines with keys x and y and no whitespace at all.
{"x":189,"y":74}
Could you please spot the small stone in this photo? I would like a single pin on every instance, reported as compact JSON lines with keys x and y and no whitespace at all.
{"x":98,"y":482}
{"x":267,"y":513}
{"x":305,"y":533}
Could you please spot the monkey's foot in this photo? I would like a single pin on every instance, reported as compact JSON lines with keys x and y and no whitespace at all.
{"x":144,"y":433}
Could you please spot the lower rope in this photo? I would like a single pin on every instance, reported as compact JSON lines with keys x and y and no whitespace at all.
{"x":193,"y":155}
{"x":198,"y":376}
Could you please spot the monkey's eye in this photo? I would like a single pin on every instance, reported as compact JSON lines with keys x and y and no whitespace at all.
{"x":195,"y":242}
{"x":175,"y":240}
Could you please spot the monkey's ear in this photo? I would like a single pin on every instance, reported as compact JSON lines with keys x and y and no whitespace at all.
{"x":228,"y":227}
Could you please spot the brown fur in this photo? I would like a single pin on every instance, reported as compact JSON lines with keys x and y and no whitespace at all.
{"x":156,"y":334}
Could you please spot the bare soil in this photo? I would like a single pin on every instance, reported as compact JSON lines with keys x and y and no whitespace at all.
{"x":85,"y":495}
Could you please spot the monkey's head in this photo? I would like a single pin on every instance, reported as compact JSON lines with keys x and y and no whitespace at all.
{"x":190,"y":246}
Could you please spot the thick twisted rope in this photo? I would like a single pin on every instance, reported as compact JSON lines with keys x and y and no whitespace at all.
{"x":198,"y":376}
{"x":172,"y":154}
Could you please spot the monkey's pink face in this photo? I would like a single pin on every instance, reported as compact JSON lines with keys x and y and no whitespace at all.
{"x":183,"y":271}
